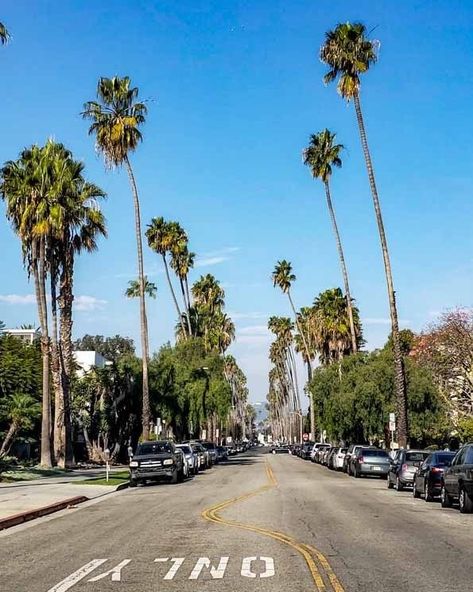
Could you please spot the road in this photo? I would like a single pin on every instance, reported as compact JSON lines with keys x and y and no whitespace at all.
{"x":288,"y":525}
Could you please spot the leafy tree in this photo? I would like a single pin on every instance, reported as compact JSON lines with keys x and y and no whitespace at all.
{"x":349,"y":53}
{"x":112,"y":348}
{"x":321,"y":155}
{"x":116,"y":117}
{"x":20,"y":410}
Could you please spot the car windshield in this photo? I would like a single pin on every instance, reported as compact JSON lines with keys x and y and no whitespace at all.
{"x":154,"y":448}
{"x":374,"y":452}
{"x":412,"y":457}
{"x":442,"y":460}
{"x":208,"y":445}
{"x":186,"y":449}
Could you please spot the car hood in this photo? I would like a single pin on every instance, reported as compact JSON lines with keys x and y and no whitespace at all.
{"x":143,"y":457}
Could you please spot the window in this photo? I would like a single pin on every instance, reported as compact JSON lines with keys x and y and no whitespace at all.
{"x":154,"y":448}
{"x":469,"y":455}
{"x":460,"y":457}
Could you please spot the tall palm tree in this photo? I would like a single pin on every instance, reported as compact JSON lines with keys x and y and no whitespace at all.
{"x":321,"y":155}
{"x":162,"y":238}
{"x":116,"y":118}
{"x":284,"y":278}
{"x":349,"y":53}
{"x":133,"y":290}
{"x":24,"y":184}
{"x":182,"y":261}
{"x":4,"y":35}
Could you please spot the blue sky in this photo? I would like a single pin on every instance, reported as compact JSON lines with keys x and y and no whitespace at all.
{"x":235,"y":89}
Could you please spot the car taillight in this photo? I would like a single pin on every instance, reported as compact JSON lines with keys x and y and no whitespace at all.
{"x":361,"y":460}
{"x":404,"y":467}
{"x":436,"y":470}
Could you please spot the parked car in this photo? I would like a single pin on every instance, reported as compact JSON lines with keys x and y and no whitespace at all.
{"x":315,"y":452}
{"x":221,"y":453}
{"x":457,"y":482}
{"x":203,"y":455}
{"x":404,"y":467}
{"x":305,"y":450}
{"x":191,"y":458}
{"x":337,"y":457}
{"x":323,"y":455}
{"x":371,"y":461}
{"x":428,"y":479}
{"x":157,"y":460}
{"x":212,"y":450}
{"x":351,"y":453}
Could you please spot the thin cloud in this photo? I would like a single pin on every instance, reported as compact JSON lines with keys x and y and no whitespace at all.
{"x":248,"y":315}
{"x":208,"y":261}
{"x":81,"y":303}
{"x":383,"y":321}
{"x":17,"y":298}
{"x":215,"y":257}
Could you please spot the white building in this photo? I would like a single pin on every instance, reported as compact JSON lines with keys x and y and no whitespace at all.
{"x":86,"y":360}
{"x":26,"y":335}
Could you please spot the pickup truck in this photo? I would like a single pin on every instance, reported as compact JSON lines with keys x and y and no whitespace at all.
{"x":155,"y":461}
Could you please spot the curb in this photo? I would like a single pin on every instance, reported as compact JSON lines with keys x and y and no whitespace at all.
{"x":39,"y":512}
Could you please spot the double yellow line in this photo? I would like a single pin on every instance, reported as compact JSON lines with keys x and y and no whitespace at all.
{"x":322,"y":573}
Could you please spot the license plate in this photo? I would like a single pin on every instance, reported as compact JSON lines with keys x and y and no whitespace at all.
{"x":375,"y":468}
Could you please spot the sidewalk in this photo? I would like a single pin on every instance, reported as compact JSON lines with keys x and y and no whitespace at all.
{"x":30,"y":496}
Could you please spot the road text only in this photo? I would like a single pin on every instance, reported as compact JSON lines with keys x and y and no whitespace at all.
{"x":171,"y":567}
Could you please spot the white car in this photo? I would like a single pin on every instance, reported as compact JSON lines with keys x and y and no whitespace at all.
{"x":191,"y":460}
{"x":338,"y":458}
{"x":316,"y":448}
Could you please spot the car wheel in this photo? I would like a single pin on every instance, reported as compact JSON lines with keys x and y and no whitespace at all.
{"x":445,"y":499}
{"x":175,"y":477}
{"x":428,"y":493}
{"x":465,"y":501}
{"x":399,"y":486}
{"x":389,"y":483}
{"x":356,"y":474}
{"x":133,"y":483}
{"x":415,"y":491}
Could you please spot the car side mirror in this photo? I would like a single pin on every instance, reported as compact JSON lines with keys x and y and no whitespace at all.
{"x":130,"y":452}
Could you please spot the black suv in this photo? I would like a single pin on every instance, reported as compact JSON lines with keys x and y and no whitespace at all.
{"x":457,"y":482}
{"x":156,"y":460}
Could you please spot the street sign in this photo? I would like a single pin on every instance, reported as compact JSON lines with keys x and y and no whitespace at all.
{"x":392,"y":417}
{"x":392,"y":426}
{"x":305,"y":437}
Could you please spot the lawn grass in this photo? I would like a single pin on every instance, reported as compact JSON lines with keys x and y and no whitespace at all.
{"x":16,"y":474}
{"x":114,"y":479}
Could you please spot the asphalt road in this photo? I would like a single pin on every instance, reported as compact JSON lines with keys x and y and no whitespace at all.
{"x":297,"y":527}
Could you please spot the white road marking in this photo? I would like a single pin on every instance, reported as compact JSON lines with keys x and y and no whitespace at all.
{"x":176,"y":564}
{"x":78,"y":575}
{"x":115,"y":572}
{"x":269,"y":572}
{"x":247,"y":572}
{"x":217,"y":573}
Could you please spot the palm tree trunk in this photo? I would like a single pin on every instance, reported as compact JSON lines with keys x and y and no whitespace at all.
{"x":309,"y":367}
{"x":8,"y":441}
{"x":186,"y":306}
{"x":173,"y":294}
{"x":66,"y":300}
{"x":344,"y":268}
{"x":146,"y":415}
{"x":399,"y":372}
{"x":56,"y":373}
{"x":40,"y":289}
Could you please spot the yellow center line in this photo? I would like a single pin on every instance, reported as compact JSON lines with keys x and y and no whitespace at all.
{"x":308,"y":553}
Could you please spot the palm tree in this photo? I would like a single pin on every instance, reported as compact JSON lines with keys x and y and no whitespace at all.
{"x":284,"y":278}
{"x":20,"y":410}
{"x":321,"y":154}
{"x":116,"y":117}
{"x":24,"y":184}
{"x":133,"y":290}
{"x":162,"y":238}
{"x":182,"y":261}
{"x":4,"y":35}
{"x":349,"y":53}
